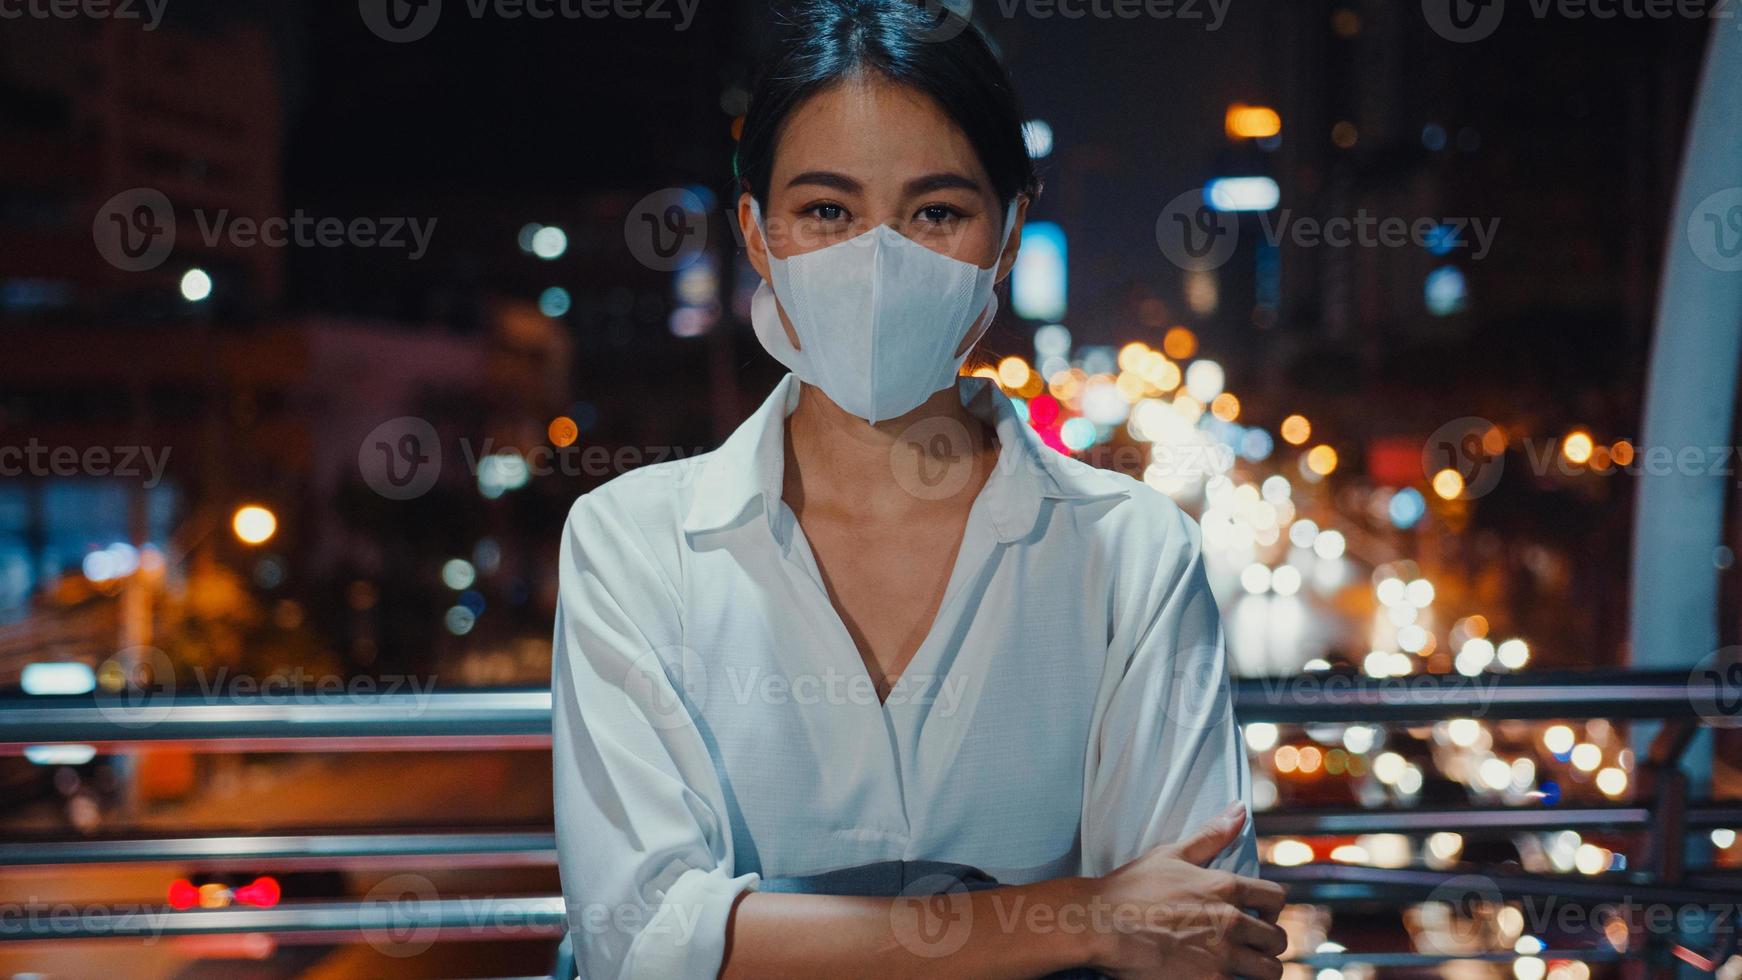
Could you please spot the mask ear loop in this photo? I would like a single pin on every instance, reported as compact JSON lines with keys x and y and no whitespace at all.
{"x":756,"y":216}
{"x":765,"y":317}
{"x":991,"y":311}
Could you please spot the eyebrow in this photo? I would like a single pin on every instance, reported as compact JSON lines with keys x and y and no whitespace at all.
{"x":943,"y":180}
{"x":826,"y":178}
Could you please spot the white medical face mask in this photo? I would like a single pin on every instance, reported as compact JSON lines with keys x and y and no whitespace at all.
{"x":878,"y":317}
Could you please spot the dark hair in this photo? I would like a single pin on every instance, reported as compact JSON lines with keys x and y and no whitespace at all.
{"x":923,"y":45}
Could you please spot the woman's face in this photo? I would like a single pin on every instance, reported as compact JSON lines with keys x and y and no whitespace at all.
{"x":869,"y":152}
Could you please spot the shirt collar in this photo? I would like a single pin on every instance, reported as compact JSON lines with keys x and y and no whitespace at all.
{"x":749,"y":466}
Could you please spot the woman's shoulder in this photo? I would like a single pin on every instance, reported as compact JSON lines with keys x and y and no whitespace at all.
{"x":644,"y":506}
{"x":1137,"y":517}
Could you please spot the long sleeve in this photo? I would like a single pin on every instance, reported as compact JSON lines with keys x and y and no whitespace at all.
{"x":1166,"y":756}
{"x":642,"y":839}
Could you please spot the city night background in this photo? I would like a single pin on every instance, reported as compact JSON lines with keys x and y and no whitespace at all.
{"x":1371,"y":296}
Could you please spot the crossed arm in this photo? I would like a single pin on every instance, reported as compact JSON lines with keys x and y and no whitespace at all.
{"x":1162,"y":915}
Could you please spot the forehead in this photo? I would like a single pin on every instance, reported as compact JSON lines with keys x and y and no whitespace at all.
{"x":872,"y":129}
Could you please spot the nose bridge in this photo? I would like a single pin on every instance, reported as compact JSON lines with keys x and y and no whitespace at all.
{"x":893,"y":232}
{"x":878,"y":237}
{"x":889,"y":223}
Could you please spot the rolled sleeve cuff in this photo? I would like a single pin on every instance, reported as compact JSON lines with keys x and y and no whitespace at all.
{"x":686,"y":938}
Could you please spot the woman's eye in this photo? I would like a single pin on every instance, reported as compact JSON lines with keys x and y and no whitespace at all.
{"x":827,"y":212}
{"x":938,"y":214}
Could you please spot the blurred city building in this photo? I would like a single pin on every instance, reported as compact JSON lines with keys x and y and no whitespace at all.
{"x":96,"y":108}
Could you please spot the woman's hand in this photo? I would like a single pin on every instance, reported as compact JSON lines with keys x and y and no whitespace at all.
{"x":1172,"y":917}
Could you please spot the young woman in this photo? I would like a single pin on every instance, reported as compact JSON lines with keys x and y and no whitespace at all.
{"x":883,"y":686}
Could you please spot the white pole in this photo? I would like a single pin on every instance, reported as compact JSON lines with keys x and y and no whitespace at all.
{"x":1690,"y":400}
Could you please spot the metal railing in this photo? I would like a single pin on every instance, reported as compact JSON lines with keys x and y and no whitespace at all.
{"x":520,"y":719}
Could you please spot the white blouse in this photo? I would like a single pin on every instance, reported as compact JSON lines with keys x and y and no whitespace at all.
{"x":713,"y":722}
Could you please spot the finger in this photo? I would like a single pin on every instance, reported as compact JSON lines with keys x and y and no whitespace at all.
{"x":1264,"y":897}
{"x":1259,"y":935}
{"x":1212,"y":838}
{"x":1254,"y":965}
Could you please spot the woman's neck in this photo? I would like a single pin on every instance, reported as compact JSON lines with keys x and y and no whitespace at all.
{"x":937,"y":456}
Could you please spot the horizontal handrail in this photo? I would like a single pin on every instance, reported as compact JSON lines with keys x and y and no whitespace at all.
{"x":521,"y":717}
{"x":498,"y":848}
{"x":536,"y":845}
{"x":1321,"y":696}
{"x":455,"y":718}
{"x":1401,"y":961}
{"x":399,"y":917}
{"x":1320,"y":882}
{"x":395,"y":919}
